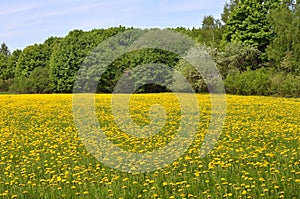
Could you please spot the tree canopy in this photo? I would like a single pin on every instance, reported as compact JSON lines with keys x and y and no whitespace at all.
{"x":255,"y":45}
{"x":248,"y":23}
{"x":284,"y":49}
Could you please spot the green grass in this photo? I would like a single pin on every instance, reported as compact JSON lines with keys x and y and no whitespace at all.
{"x":257,"y":155}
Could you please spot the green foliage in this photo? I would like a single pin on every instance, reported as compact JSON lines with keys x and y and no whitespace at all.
{"x":5,"y":85}
{"x":251,"y":82}
{"x":257,"y":52}
{"x":284,"y":50}
{"x":3,"y":66}
{"x":204,"y":78}
{"x":37,"y":82}
{"x":285,"y":85}
{"x":263,"y":82}
{"x":32,"y":67}
{"x":7,"y":69}
{"x":209,"y":34}
{"x":12,"y":64}
{"x":32,"y":57}
{"x":69,"y":55}
{"x":146,"y":78}
{"x":212,"y":31}
{"x":228,"y":9}
{"x":37,"y":55}
{"x":4,"y":50}
{"x":248,"y":23}
{"x":191,"y":75}
{"x":3,"y":72}
{"x":122,"y":66}
{"x":237,"y":57}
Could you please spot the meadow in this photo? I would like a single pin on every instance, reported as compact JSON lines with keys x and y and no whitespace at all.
{"x":256,"y":156}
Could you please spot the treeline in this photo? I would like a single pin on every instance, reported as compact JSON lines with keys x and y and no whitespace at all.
{"x":255,"y":45}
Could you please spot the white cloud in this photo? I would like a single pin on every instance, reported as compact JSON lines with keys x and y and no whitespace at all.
{"x":191,"y":5}
{"x":9,"y":10}
{"x":25,"y":21}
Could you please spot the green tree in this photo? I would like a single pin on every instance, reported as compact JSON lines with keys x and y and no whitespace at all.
{"x":12,"y":63}
{"x":3,"y":69}
{"x":39,"y":81}
{"x":31,"y":58}
{"x":228,"y":9}
{"x":208,"y":22}
{"x":3,"y":66}
{"x":236,"y":58}
{"x":7,"y":69}
{"x":191,"y":75}
{"x":250,"y":82}
{"x":248,"y":23}
{"x":122,"y":66}
{"x":70,"y":54}
{"x":211,"y":31}
{"x":4,"y":50}
{"x":284,"y":50}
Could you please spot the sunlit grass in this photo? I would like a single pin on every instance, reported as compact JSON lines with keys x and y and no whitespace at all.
{"x":257,"y":156}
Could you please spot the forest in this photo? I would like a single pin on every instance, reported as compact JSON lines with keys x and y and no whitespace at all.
{"x":255,"y":45}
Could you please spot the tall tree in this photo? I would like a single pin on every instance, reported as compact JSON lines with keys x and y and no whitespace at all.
{"x":12,"y":64}
{"x":69,"y":55}
{"x":208,"y":22}
{"x":211,"y":31}
{"x":284,"y":50}
{"x":7,"y":69}
{"x":32,"y":66}
{"x":4,"y":50}
{"x":3,"y":66}
{"x":37,"y":55}
{"x":228,"y":8}
{"x":32,"y":57}
{"x":248,"y":23}
{"x":4,"y":73}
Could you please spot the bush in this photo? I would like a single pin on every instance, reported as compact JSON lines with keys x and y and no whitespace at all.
{"x":237,"y":57}
{"x":263,"y":82}
{"x":251,"y":82}
{"x":37,"y":82}
{"x":5,"y":84}
{"x":285,"y":85}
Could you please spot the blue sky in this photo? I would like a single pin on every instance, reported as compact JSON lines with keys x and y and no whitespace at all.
{"x":23,"y":23}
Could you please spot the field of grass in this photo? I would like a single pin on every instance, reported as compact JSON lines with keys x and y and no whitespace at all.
{"x":256,"y":156}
